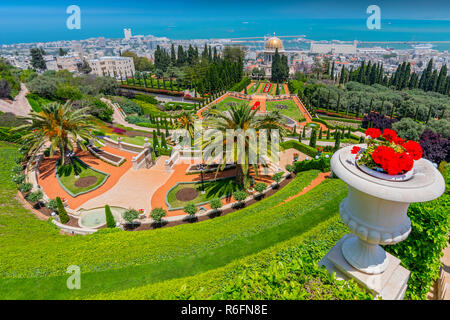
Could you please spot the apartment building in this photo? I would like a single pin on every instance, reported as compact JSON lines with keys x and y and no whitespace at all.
{"x":116,"y":67}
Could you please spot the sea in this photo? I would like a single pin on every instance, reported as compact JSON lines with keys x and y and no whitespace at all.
{"x":422,"y":31}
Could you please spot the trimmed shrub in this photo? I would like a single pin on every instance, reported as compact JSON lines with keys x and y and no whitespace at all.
{"x":260,"y":187}
{"x":216,"y":204}
{"x":157,"y":214}
{"x":63,"y":216}
{"x":130,"y":215}
{"x":25,"y":187}
{"x":35,"y":196}
{"x":110,"y":222}
{"x":52,"y":205}
{"x":292,"y":144}
{"x":190,"y":209}
{"x":19,"y":178}
{"x":277,"y":177}
{"x":322,"y":164}
{"x":240,"y":196}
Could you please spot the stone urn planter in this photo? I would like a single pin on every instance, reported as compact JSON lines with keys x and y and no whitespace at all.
{"x":376,"y":207}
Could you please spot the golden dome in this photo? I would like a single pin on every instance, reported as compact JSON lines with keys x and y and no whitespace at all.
{"x":274,"y":43}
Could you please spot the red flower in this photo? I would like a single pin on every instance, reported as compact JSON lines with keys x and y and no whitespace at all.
{"x":382,"y":155}
{"x":389,"y":135}
{"x":414,"y":149}
{"x":373,"y":133}
{"x":355,"y":150}
{"x":406,"y":161}
{"x":398,"y":141}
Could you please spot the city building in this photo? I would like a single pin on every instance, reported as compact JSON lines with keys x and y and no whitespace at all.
{"x":334,"y":48}
{"x":117,"y":67}
{"x":127,"y":33}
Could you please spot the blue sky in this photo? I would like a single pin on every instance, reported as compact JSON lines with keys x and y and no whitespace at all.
{"x":34,"y":20}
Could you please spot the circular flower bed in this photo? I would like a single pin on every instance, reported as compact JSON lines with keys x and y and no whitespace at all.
{"x":86,"y":182}
{"x":187,"y":194}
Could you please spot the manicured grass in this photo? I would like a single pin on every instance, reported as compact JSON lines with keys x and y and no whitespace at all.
{"x":213,"y":189}
{"x":121,"y":260}
{"x":37,"y":102}
{"x":67,"y":177}
{"x":292,"y":110}
{"x":137,"y":140}
{"x":223,"y":105}
{"x":253,"y":89}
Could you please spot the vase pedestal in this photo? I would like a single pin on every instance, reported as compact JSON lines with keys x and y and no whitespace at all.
{"x":388,"y":285}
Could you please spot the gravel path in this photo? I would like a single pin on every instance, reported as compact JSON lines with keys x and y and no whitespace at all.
{"x":20,"y":105}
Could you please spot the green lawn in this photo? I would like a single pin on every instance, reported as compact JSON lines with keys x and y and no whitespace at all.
{"x":292,"y":110}
{"x":137,"y":140}
{"x":37,"y":102}
{"x":253,"y":89}
{"x":67,"y":177}
{"x":213,"y":189}
{"x":35,"y":256}
{"x":224,"y":104}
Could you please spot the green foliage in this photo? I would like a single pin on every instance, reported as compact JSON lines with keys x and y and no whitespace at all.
{"x":52,"y":204}
{"x":190,"y":209}
{"x":292,"y":144}
{"x":130,"y":215}
{"x":240,"y":195}
{"x":408,"y":129}
{"x":290,"y":168}
{"x":110,"y":222}
{"x":260,"y":187}
{"x":19,"y":178}
{"x":216,"y":204}
{"x":422,"y":250}
{"x":157,"y":214}
{"x":313,"y":140}
{"x":278,"y":176}
{"x":322,"y":164}
{"x":35,"y":196}
{"x":63,"y":216}
{"x":25,"y":187}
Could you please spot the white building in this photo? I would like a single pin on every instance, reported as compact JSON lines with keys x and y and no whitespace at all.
{"x":70,"y":62}
{"x":116,"y":67}
{"x":324,"y":48}
{"x":127,"y":33}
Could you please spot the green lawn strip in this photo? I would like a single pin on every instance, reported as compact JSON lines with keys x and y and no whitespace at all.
{"x":213,"y":189}
{"x":253,"y":89}
{"x":293,"y":219}
{"x":66,"y":177}
{"x":212,"y":284}
{"x":292,"y":112}
{"x":136,"y":140}
{"x":37,"y":102}
{"x":223,"y":105}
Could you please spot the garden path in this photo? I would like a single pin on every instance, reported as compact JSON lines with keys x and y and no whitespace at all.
{"x":19,"y":106}
{"x":47,"y":177}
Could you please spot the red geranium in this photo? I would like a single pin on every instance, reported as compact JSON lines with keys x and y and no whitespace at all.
{"x":406,"y":161}
{"x":390,"y":135}
{"x":383,"y":154}
{"x":414,"y":149}
{"x":355,"y":150}
{"x":373,"y":133}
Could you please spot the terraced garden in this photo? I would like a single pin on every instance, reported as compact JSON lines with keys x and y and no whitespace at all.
{"x":35,"y":256}
{"x":286,"y":107}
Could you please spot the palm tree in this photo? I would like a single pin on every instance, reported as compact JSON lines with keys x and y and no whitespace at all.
{"x":59,"y":125}
{"x":185,"y":121}
{"x":242,"y":117}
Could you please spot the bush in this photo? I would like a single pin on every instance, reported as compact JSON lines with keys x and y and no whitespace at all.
{"x":190,"y":209}
{"x":19,"y":178}
{"x":322,"y":164}
{"x":17,"y":169}
{"x":110,"y":222}
{"x":421,"y":252}
{"x":63,"y":216}
{"x":157,"y":214}
{"x":277,"y":177}
{"x":52,"y":204}
{"x":240,"y":195}
{"x":35,"y":196}
{"x":130,"y":215}
{"x":290,"y":168}
{"x":25,"y":187}
{"x":260,"y":187}
{"x":146,"y":98}
{"x":216,"y":204}
{"x":292,"y":144}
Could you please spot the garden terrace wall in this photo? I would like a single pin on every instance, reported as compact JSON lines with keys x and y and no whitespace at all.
{"x":132,"y":148}
{"x":117,"y":163}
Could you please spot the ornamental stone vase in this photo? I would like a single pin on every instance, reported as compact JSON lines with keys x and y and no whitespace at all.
{"x":375,"y":209}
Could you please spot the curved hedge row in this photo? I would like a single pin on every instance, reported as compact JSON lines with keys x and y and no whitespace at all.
{"x":293,"y":144}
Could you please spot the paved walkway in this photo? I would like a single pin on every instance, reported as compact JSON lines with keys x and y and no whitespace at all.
{"x":134,"y":189}
{"x":47,"y":178}
{"x":20,"y":105}
{"x":286,"y":88}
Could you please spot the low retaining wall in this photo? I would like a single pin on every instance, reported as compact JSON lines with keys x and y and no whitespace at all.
{"x":111,"y":162}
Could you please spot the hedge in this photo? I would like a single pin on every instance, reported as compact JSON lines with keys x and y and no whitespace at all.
{"x":154,"y":90}
{"x":422,"y":250}
{"x":293,"y":144}
{"x":322,"y":164}
{"x":238,"y":87}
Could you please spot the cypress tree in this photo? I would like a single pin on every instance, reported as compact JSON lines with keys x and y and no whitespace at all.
{"x":63,"y":216}
{"x":163,"y":141}
{"x":440,"y":86}
{"x":155,"y":140}
{"x":110,"y":222}
{"x":313,"y":139}
{"x":337,"y":144}
{"x":320,"y":133}
{"x":304,"y":133}
{"x":328,"y":134}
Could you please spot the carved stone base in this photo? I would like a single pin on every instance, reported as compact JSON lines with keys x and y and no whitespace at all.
{"x":389,"y":285}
